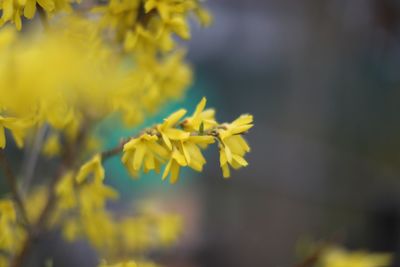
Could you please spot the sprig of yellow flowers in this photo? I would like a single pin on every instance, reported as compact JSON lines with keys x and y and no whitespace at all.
{"x":178,"y":142}
{"x":117,"y":58}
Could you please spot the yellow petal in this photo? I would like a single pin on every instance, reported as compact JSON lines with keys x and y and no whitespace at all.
{"x":177,"y":155}
{"x":176,"y":134}
{"x":139,"y":154}
{"x":225,"y":171}
{"x":149,"y":161}
{"x":240,"y":160}
{"x":174,"y":118}
{"x":30,"y":9}
{"x":204,"y":139}
{"x":185,"y":153}
{"x":228,"y":153}
{"x":47,"y":5}
{"x":174,"y":173}
{"x":167,"y":169}
{"x":166,"y":141}
{"x":243,"y":119}
{"x":200,"y":107}
{"x":158,"y":149}
{"x":8,"y":9}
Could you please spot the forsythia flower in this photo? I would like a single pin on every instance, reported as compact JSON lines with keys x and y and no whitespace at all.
{"x":180,"y":141}
{"x":144,"y":150}
{"x":130,"y":264}
{"x":7,"y":220}
{"x":14,"y":9}
{"x":336,"y":257}
{"x":232,"y":145}
{"x":52,"y":146}
{"x":169,"y":132}
{"x":16,"y":128}
{"x":93,"y":167}
{"x":200,"y":117}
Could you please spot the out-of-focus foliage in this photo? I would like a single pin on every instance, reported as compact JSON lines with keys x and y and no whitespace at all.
{"x":66,"y":72}
{"x":338,"y":257}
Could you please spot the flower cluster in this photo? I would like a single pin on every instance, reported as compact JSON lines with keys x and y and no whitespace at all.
{"x":179,"y":142}
{"x":149,"y":25}
{"x":14,"y":9}
{"x":60,"y":80}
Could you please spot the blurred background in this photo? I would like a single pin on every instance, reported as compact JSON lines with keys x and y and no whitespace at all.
{"x":322,"y":81}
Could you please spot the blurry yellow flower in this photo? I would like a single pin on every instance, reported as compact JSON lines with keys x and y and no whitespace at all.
{"x":169,"y":228}
{"x":336,"y":257}
{"x":15,"y":126}
{"x":93,"y":167}
{"x":71,"y":229}
{"x":52,"y":146}
{"x":139,"y":263}
{"x":37,"y":200}
{"x":7,"y":225}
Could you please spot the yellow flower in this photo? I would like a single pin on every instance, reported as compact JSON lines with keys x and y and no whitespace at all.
{"x":30,"y":7}
{"x":177,"y":159}
{"x":169,"y":227}
{"x":8,"y":228}
{"x":52,"y":146}
{"x":144,"y":150}
{"x":14,"y":9}
{"x":192,"y":152}
{"x":169,"y":132}
{"x":166,"y":8}
{"x":200,"y":117}
{"x":93,"y":167}
{"x":65,"y":192}
{"x":140,"y":263}
{"x":17,"y":129}
{"x":232,"y":145}
{"x":337,"y":257}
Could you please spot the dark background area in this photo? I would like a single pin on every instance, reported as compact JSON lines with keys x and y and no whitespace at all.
{"x":321,"y":79}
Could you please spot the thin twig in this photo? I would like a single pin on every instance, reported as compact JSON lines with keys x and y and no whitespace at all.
{"x":32,"y":158}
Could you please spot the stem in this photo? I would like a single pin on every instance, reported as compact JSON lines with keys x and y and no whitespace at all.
{"x":32,"y":158}
{"x":12,"y":183}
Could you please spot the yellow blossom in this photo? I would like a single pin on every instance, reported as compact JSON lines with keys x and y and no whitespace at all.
{"x":52,"y":146}
{"x":169,"y":132}
{"x":16,"y":128}
{"x":143,"y":151}
{"x":65,"y":192}
{"x":177,"y":159}
{"x":200,"y":117}
{"x":192,"y":152}
{"x":139,"y":263}
{"x":232,"y":145}
{"x":10,"y":234}
{"x":336,"y":257}
{"x":93,"y":167}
